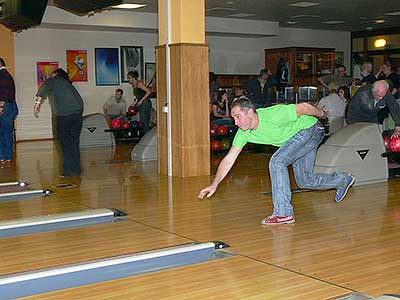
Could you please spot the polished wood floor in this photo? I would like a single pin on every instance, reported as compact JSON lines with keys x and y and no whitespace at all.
{"x":332,"y":249}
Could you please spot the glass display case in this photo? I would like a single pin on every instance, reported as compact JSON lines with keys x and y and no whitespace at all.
{"x":324,"y":63}
{"x":304,"y":63}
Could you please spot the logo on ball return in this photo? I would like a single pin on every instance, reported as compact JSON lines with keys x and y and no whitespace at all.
{"x":91,"y":129}
{"x":363,"y":153}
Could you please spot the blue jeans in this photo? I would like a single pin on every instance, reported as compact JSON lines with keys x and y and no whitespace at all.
{"x":7,"y":130}
{"x":300,"y":151}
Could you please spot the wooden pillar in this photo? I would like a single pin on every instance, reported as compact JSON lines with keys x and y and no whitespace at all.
{"x":189,"y":108}
{"x":7,"y":48}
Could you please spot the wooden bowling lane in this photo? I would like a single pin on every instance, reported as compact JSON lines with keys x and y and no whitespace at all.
{"x":353,"y":244}
{"x":229,"y":278}
{"x":36,"y":207}
{"x":49,"y":249}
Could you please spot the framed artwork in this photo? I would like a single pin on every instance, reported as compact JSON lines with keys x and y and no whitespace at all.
{"x":149,"y":73}
{"x":44,"y":70}
{"x":339,"y":58}
{"x":106,"y":66}
{"x":77,"y":65}
{"x":131,"y":60}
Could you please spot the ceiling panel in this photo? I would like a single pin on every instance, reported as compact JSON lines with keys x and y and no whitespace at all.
{"x":356,"y":15}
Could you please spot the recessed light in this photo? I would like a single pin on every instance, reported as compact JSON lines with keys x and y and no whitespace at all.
{"x":394,"y":13}
{"x":230,"y":2}
{"x":333,"y":22}
{"x":242,"y":15}
{"x":304,"y":4}
{"x":129,"y":6}
{"x":380,"y":21}
{"x":305,"y":16}
{"x":220,"y":9}
{"x":369,"y":28}
{"x":291,"y":22}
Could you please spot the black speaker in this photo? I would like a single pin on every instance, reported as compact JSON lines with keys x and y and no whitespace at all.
{"x":21,"y":14}
{"x":83,"y":7}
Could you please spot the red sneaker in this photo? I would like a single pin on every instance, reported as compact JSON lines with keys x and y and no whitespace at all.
{"x":273,"y":220}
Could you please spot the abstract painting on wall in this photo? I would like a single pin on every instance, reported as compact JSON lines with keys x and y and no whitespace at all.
{"x":107,"y":66}
{"x":44,"y":70}
{"x":131,"y":60}
{"x":77,"y":65}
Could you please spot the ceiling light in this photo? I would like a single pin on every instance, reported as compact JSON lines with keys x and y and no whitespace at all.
{"x":333,"y":22}
{"x":220,"y":9}
{"x":369,"y":28}
{"x":291,"y":22}
{"x":379,"y":43}
{"x":129,"y":6}
{"x":394,"y":13}
{"x":304,"y":4}
{"x":230,"y":2}
{"x":305,"y":16}
{"x":380,"y":21}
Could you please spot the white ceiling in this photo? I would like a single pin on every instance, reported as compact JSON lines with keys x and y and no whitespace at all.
{"x":356,"y":15}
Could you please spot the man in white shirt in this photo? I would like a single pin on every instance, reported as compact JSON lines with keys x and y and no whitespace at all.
{"x":115,"y":106}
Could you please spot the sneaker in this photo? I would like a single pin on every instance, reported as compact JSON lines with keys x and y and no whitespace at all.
{"x":272,"y":220}
{"x":341,"y":193}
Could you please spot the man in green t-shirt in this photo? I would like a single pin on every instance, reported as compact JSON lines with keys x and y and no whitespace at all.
{"x":296,"y":131}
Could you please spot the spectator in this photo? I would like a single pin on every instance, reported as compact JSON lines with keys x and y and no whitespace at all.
{"x":259,"y":89}
{"x":333,"y":104}
{"x":220,"y":107}
{"x":115,"y":106}
{"x":339,"y":79}
{"x":8,"y":112}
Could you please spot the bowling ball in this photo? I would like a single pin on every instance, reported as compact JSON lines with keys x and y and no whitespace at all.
{"x":232,"y":130}
{"x":225,"y":144}
{"x":132,"y":110}
{"x":116,"y":123}
{"x":213,"y":130}
{"x":222,"y":130}
{"x":135,"y":124}
{"x":394,"y":144}
{"x":125,"y":124}
{"x":386,"y":141}
{"x":216,"y":145}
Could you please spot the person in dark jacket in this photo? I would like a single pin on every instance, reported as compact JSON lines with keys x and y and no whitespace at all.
{"x":8,"y":112}
{"x":67,"y":107}
{"x":369,"y":101}
{"x":259,"y":89}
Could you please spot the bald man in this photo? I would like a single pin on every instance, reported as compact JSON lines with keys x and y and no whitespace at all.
{"x":369,"y":100}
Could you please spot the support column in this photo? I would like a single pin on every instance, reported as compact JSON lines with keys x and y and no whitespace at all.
{"x":188,"y":107}
{"x":7,"y":48}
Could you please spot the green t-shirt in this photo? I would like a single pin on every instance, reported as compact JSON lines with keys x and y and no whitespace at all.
{"x":277,"y":124}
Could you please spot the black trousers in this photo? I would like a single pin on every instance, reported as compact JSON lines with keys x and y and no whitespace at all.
{"x":68,"y":130}
{"x":144,"y":112}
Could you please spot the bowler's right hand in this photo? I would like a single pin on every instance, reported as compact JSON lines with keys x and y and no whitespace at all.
{"x":36,"y":110}
{"x":208,"y":191}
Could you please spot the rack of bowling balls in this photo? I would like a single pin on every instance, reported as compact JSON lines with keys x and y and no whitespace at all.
{"x":125,"y":128}
{"x":221,"y":137}
{"x":391,"y":144}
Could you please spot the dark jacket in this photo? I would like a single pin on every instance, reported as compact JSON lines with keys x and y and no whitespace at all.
{"x":258,"y":95}
{"x":7,"y":87}
{"x":363,"y":108}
